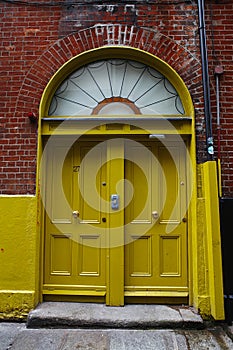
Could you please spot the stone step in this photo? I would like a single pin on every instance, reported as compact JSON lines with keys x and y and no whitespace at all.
{"x":90,"y":315}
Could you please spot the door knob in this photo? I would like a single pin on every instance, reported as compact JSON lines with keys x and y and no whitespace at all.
{"x":155,"y":214}
{"x":75,"y":214}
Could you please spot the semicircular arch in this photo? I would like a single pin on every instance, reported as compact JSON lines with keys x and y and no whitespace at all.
{"x":143,"y":40}
{"x":164,"y":81}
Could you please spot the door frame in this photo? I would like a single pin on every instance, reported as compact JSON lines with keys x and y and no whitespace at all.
{"x":182,"y":127}
{"x":115,"y":293}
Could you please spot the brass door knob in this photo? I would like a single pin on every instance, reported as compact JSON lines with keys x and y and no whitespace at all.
{"x":75,"y":214}
{"x":155,"y":214}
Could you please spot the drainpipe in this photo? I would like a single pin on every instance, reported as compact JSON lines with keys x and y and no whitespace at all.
{"x":205,"y":80}
{"x":218,"y":72}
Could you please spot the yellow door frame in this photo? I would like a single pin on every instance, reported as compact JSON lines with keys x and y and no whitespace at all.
{"x":173,"y":127}
{"x":115,"y":271}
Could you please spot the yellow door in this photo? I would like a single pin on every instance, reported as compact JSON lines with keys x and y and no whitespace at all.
{"x":156,"y":255}
{"x":133,"y":245}
{"x":75,"y":230}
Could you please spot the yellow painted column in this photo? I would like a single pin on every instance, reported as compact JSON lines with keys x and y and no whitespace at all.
{"x":213,"y":240}
{"x":115,"y":283}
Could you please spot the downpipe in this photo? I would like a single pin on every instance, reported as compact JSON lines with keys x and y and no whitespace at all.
{"x":218,"y":72}
{"x":205,"y":80}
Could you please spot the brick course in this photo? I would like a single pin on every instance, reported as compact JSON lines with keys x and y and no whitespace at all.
{"x":37,"y":40}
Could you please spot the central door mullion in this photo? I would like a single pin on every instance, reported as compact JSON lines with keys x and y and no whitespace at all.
{"x":115,"y":168}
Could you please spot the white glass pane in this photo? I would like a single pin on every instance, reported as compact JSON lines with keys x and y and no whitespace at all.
{"x":160,"y":108}
{"x":116,"y":71}
{"x":66,"y":108}
{"x":145,"y":84}
{"x":116,"y":108}
{"x":84,"y":80}
{"x":99,"y":73}
{"x":179,"y":105}
{"x":134,"y":71}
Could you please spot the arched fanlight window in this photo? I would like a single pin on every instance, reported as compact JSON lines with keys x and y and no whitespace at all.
{"x":115,"y":86}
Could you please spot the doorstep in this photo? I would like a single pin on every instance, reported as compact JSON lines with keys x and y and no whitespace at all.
{"x":91,"y":315}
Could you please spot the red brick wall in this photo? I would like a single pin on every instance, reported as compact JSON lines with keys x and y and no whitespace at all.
{"x":26,"y":32}
{"x":219,"y":23}
{"x":37,"y":40}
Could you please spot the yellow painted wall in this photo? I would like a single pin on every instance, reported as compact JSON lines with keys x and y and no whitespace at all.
{"x":19,"y":273}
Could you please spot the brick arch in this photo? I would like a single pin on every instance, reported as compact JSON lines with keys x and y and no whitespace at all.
{"x":149,"y":40}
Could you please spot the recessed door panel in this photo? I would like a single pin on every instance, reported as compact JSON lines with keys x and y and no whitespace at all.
{"x":140,"y":262}
{"x":169,"y":179}
{"x":90,"y":175}
{"x":61,"y":255}
{"x":138,"y":174}
{"x":60,"y":189}
{"x":89,"y":255}
{"x":170,"y":256}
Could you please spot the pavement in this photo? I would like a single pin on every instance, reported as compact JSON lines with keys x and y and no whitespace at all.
{"x":68,"y":326}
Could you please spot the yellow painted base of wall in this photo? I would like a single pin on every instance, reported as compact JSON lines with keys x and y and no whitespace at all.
{"x":202,"y":298}
{"x":19,"y":254}
{"x":16,"y":304}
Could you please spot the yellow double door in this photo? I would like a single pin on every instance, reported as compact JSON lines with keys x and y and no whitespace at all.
{"x":115,"y":221}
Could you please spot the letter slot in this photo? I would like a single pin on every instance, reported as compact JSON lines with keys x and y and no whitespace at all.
{"x":115,"y":201}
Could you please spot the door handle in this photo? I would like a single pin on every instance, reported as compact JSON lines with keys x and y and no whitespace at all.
{"x":115,"y":201}
{"x":155,"y":214}
{"x":75,"y":214}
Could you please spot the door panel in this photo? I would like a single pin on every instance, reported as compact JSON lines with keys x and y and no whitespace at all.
{"x":90,"y":190}
{"x":89,"y":255}
{"x":170,"y":256}
{"x":138,"y":173}
{"x":140,"y":257}
{"x":61,"y":255}
{"x":57,"y":172}
{"x":170,"y":177}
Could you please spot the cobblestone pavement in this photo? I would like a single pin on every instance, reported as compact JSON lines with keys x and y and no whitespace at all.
{"x":16,"y":336}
